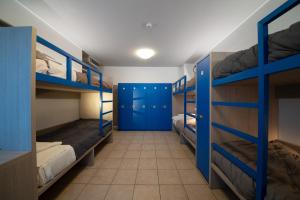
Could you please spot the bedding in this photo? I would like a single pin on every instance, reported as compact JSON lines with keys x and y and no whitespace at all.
{"x":178,"y":122}
{"x":81,"y":135}
{"x":281,"y":44}
{"x":42,"y":146}
{"x":283,"y":169}
{"x":52,"y":160}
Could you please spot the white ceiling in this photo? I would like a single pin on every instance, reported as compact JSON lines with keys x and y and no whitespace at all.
{"x":111,"y":30}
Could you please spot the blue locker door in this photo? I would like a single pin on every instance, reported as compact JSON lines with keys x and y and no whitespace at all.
{"x":153,"y":112}
{"x":139,"y":107}
{"x":125,"y":106}
{"x":203,"y":113}
{"x":165,"y":105}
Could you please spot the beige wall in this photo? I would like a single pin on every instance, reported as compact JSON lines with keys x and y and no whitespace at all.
{"x":90,"y":105}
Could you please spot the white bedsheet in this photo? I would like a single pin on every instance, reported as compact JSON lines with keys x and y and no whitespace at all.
{"x":42,"y":146}
{"x":51,"y":161}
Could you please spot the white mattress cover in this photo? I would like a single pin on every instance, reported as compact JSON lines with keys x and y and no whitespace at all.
{"x":52,"y":161}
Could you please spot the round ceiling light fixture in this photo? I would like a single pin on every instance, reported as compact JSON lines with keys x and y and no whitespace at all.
{"x":145,"y":53}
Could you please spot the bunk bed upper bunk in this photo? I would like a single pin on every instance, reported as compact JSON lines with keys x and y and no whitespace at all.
{"x":253,"y":167}
{"x":185,"y":123}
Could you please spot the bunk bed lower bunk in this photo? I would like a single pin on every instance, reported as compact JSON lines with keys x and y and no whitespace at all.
{"x":75,"y":140}
{"x":254,"y":167}
{"x":178,"y":123}
{"x":283,"y":169}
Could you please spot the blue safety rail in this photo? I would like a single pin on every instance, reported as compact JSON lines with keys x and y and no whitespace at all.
{"x":68,"y":80}
{"x":179,"y":87}
{"x":262,"y":73}
{"x":105,"y":102}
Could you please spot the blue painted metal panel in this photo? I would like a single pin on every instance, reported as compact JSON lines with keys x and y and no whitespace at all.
{"x":235,"y":104}
{"x":237,"y":162}
{"x":151,"y":106}
{"x":244,"y":75}
{"x":284,"y":64}
{"x":235,"y":132}
{"x":203,"y":116}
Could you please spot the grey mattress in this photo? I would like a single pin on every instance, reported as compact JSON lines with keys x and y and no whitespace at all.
{"x":281,"y":44}
{"x":283,"y":169}
{"x":81,"y":135}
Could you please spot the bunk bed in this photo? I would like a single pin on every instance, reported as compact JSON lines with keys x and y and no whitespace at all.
{"x":185,"y":124}
{"x":256,"y":166}
{"x":64,"y":146}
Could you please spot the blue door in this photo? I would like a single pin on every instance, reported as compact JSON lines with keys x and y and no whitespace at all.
{"x":203,"y":116}
{"x":153,"y":112}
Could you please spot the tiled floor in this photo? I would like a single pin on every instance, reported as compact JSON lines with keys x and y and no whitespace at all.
{"x":137,"y":166}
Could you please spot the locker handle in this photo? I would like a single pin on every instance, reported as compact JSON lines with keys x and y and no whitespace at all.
{"x":122,"y":106}
{"x":200,"y":116}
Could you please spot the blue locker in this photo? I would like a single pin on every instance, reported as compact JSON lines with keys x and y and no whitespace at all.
{"x":139,"y":107}
{"x":165,"y":106}
{"x":203,"y":113}
{"x":145,"y":106}
{"x":125,"y":106}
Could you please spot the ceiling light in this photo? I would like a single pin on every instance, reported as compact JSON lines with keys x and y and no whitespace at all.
{"x":145,"y":53}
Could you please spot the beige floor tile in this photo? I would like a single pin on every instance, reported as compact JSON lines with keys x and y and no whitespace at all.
{"x":83,"y":176}
{"x":132,"y":154}
{"x":122,"y":147}
{"x":147,"y":163}
{"x":70,"y":192}
{"x":93,"y":192}
{"x":172,"y":192}
{"x":129,"y":163}
{"x":125,"y":176}
{"x":120,"y":192}
{"x":161,"y":147}
{"x":163,"y":154}
{"x":165,"y":163}
{"x":116,"y":154}
{"x":148,"y":154}
{"x":184,"y":163}
{"x":148,"y":147}
{"x":168,"y":177}
{"x":191,"y":177}
{"x":146,"y":192}
{"x":135,"y":146}
{"x":199,"y":192}
{"x":178,"y":154}
{"x":103,"y":176}
{"x":147,"y":177}
{"x":111,"y":163}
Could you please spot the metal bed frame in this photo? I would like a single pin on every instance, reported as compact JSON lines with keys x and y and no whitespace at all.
{"x":177,"y":91}
{"x":262,"y":73}
{"x":69,"y":83}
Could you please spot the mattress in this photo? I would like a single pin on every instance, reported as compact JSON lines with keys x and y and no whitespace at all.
{"x":283,"y":169}
{"x":178,"y":122}
{"x":281,"y":44}
{"x":81,"y":135}
{"x":52,"y":160}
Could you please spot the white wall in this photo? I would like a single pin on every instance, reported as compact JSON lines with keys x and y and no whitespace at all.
{"x":188,"y":70}
{"x":289,"y":124}
{"x":246,"y":34}
{"x":125,"y":74}
{"x":50,"y":112}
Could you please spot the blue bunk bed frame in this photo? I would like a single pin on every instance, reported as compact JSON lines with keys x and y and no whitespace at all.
{"x":262,"y":73}
{"x":178,"y":91}
{"x":69,"y":83}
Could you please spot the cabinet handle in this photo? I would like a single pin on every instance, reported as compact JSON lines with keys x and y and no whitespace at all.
{"x":155,"y":88}
{"x":154,"y":106}
{"x":122,"y":106}
{"x":200,"y":116}
{"x":164,"y":106}
{"x":123,"y":88}
{"x":143,"y":106}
